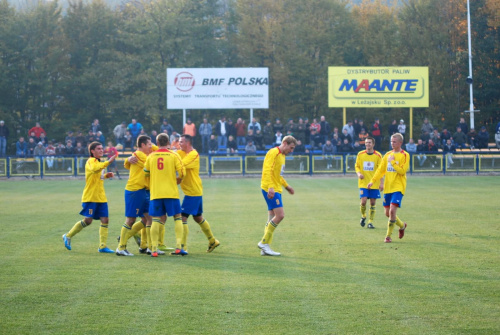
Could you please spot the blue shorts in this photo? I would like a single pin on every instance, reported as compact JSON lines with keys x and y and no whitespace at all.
{"x":160,"y":207}
{"x":192,"y":206}
{"x":273,"y":203}
{"x":136,"y":203}
{"x":369,"y":193}
{"x":395,"y":198}
{"x":95,"y":210}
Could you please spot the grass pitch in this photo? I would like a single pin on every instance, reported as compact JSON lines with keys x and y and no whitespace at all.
{"x":334,"y":277}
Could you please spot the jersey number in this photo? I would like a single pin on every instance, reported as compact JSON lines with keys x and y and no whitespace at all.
{"x":159,"y":163}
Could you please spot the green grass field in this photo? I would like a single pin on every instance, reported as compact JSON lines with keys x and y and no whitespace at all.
{"x":334,"y":277}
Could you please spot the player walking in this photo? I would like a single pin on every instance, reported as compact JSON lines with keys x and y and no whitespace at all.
{"x":367,"y":163}
{"x":394,"y":165}
{"x":272,"y":184}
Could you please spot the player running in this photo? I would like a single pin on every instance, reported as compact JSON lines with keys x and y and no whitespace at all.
{"x":94,"y":201}
{"x":193,"y":192}
{"x":367,"y":163}
{"x":272,"y":184}
{"x":394,"y":165}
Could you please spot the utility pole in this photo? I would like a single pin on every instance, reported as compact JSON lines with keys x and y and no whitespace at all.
{"x":469,"y":79}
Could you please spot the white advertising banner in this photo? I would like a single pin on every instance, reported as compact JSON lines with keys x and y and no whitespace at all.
{"x":217,"y":88}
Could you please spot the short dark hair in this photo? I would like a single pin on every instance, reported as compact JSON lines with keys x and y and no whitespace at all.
{"x":371,"y":139}
{"x":188,"y":137}
{"x":142,"y":139}
{"x":162,"y":140}
{"x":92,"y":146}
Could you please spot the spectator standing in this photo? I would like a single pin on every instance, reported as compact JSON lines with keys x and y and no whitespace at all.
{"x":316,"y":126}
{"x":427,"y":126}
{"x":153,"y":136}
{"x":357,"y":127}
{"x":165,"y":126}
{"x":300,"y":130}
{"x":250,"y":148}
{"x":325,"y":129}
{"x":95,"y":127}
{"x":459,"y":138}
{"x":277,"y":126}
{"x":230,"y":129}
{"x":205,"y":133}
{"x":21,"y":148}
{"x":4,"y":134}
{"x":393,"y":128}
{"x":71,"y":138}
{"x":135,"y":130}
{"x":267,"y":134}
{"x":376,"y":132}
{"x":189,"y":129}
{"x":463,"y":126}
{"x":328,"y":151}
{"x":119,"y":132}
{"x":221,"y":132}
{"x":241,"y":131}
{"x":350,"y":128}
{"x":254,"y":125}
{"x":307,"y":131}
{"x":483,"y":138}
{"x":362,"y":137}
{"x":37,"y":129}
{"x":402,"y":127}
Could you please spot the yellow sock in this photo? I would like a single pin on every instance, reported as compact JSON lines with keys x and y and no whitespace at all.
{"x":362,"y":209}
{"x":161,"y":238}
{"x":103,"y":235}
{"x":155,"y":234}
{"x":268,"y":233}
{"x":144,"y":238}
{"x":76,"y":228}
{"x":390,"y":227}
{"x":123,"y":237}
{"x":148,"y":234}
{"x":205,"y":228}
{"x":179,"y":232}
{"x":400,"y":223}
{"x":185,"y":234}
{"x":136,"y":228}
{"x":372,"y":214}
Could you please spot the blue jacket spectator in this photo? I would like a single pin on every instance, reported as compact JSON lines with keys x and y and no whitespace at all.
{"x":135,"y":129}
{"x":166,"y":126}
{"x":21,"y":148}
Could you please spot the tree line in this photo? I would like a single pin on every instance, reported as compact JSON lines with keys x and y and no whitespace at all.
{"x":66,"y":67}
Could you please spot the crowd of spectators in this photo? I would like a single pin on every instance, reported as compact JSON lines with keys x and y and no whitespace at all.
{"x":226,"y":137}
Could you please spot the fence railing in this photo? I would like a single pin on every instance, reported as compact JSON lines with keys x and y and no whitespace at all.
{"x":241,"y":164}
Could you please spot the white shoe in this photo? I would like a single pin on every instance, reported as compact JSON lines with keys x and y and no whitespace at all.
{"x":267,"y":250}
{"x":123,"y":252}
{"x":158,"y":251}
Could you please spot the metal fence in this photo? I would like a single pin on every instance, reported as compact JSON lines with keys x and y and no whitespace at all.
{"x":305,"y":164}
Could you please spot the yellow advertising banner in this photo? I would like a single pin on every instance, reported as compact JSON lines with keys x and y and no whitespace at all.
{"x":383,"y":87}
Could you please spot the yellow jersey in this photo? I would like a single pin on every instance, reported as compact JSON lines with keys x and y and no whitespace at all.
{"x":272,"y":171}
{"x":191,"y":184}
{"x":137,"y":179}
{"x":367,"y":164}
{"x":163,"y":167}
{"x":94,"y":181}
{"x":395,"y":172}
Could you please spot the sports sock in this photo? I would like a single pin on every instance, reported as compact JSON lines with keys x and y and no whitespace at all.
{"x":268,"y":233}
{"x":362,"y":209}
{"x":185,"y":234}
{"x":205,"y":228}
{"x":372,"y":214}
{"x":155,"y":233}
{"x":123,"y":236}
{"x":103,"y":235}
{"x":400,"y":223}
{"x":76,"y":228}
{"x":161,"y":238}
{"x":136,"y":228}
{"x":148,"y":234}
{"x":179,"y":232}
{"x":144,"y":238}
{"x":390,"y":227}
